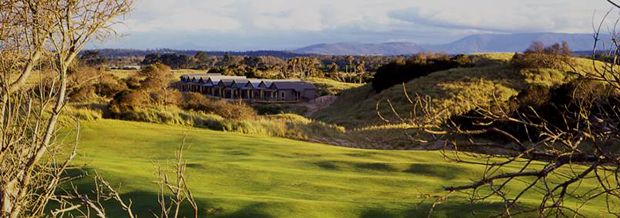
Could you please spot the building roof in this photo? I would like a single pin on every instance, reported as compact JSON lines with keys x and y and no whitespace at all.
{"x":225,"y":82}
{"x":229,"y":82}
{"x":245,"y":83}
{"x":292,"y":84}
{"x":253,"y":83}
{"x":209,"y":75}
{"x":239,"y":83}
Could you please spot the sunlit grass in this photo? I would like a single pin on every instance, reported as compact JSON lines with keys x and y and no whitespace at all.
{"x":261,"y":176}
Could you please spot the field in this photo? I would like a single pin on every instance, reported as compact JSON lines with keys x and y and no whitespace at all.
{"x":260,"y":176}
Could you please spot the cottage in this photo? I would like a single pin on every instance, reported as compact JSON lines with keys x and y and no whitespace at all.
{"x":293,"y":90}
{"x":240,"y":87}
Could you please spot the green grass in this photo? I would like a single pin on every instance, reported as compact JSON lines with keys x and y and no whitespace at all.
{"x":261,"y":176}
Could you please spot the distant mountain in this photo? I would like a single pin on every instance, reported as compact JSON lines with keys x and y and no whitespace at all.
{"x":118,"y":53}
{"x":513,"y":42}
{"x":392,"y":48}
{"x":470,"y":44}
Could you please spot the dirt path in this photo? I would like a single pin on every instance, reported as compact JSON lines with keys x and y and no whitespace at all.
{"x":317,"y":104}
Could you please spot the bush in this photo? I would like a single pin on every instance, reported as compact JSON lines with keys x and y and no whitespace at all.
{"x":225,"y":109}
{"x":158,"y":76}
{"x":128,"y":100}
{"x":546,"y":104}
{"x":401,"y":71}
{"x":555,"y":56}
{"x":266,"y":109}
{"x":109,"y":86}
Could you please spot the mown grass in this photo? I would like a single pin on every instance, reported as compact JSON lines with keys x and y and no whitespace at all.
{"x":261,"y":176}
{"x":456,"y":91}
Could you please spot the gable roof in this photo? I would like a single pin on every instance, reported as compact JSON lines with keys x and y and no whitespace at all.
{"x":239,"y":83}
{"x":266,"y":83}
{"x":292,"y":84}
{"x":226,"y":82}
{"x":209,"y":75}
{"x":253,"y":83}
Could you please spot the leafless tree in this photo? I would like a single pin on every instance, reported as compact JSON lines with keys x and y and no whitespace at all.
{"x":40,"y":37}
{"x":173,"y":194}
{"x":177,"y":187}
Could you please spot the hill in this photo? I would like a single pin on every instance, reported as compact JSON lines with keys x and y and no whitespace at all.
{"x":467,"y":45}
{"x":457,"y":90}
{"x":513,"y":42}
{"x":119,"y":53}
{"x":257,"y":176}
{"x":386,"y":49}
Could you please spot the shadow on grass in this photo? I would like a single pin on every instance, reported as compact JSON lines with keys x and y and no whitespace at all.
{"x":376,"y":166}
{"x":197,"y":166}
{"x":144,"y":203}
{"x":449,"y":209}
{"x":253,"y":210}
{"x":238,"y":153}
{"x":440,"y":171}
{"x":327,"y":165}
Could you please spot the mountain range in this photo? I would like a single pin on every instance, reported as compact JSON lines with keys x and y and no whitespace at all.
{"x":470,"y":44}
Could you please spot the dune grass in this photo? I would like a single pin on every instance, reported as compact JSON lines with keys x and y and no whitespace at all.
{"x":260,"y":176}
{"x":330,"y":87}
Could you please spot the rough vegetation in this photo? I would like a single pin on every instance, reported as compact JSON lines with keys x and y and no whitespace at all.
{"x":404,"y":70}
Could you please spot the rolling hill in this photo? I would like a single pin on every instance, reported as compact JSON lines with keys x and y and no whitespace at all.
{"x":457,"y":90}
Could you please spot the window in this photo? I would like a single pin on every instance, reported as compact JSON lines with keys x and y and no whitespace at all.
{"x":282,"y":95}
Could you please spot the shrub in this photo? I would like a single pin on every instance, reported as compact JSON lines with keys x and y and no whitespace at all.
{"x":109,"y":86}
{"x":164,"y":97}
{"x":545,"y":104}
{"x":128,"y":100}
{"x":266,"y":109}
{"x":155,"y":70}
{"x":225,"y":109}
{"x":555,"y":56}
{"x":401,"y":71}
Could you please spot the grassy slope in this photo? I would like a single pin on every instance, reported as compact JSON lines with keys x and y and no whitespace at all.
{"x":330,"y":87}
{"x":457,"y":90}
{"x":256,"y":176}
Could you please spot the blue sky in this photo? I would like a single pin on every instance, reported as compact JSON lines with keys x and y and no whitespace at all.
{"x":288,"y":24}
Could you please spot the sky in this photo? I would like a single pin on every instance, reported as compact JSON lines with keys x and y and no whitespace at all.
{"x":241,"y":25}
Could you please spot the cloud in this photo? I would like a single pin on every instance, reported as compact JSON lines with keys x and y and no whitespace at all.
{"x":507,"y":17}
{"x":276,"y":24}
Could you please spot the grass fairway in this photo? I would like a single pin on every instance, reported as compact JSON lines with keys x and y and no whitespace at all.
{"x":256,"y":176}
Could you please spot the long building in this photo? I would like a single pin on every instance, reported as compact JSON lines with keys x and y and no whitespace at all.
{"x":240,"y":87}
